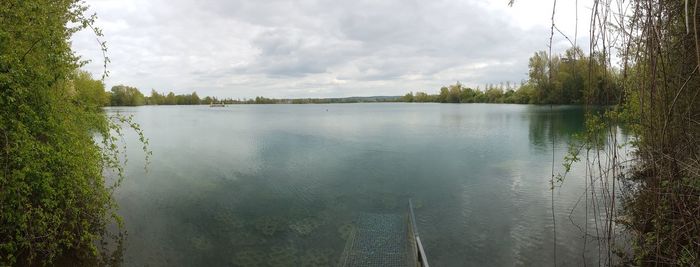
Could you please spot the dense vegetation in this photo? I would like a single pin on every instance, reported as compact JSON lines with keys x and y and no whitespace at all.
{"x":658,"y":46}
{"x":661,"y":56}
{"x":122,"y":95}
{"x":54,"y":198}
{"x":564,"y":80}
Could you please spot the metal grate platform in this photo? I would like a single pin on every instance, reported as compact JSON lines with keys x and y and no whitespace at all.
{"x":380,"y":240}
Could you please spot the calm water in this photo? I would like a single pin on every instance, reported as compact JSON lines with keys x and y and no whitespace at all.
{"x":260,"y":185}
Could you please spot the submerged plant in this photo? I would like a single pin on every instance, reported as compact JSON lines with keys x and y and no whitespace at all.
{"x":249,"y":258}
{"x":305,"y":226}
{"x":316,"y":258}
{"x":229,"y":221}
{"x":200,"y":243}
{"x":283,"y":256}
{"x":347,"y":230}
{"x":244,"y":238}
{"x":268,"y":225}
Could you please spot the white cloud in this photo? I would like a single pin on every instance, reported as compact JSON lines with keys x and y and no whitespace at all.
{"x":310,"y":48}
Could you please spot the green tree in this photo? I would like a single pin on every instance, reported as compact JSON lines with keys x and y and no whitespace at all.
{"x":539,"y":76}
{"x":407,"y":98}
{"x":89,"y":92}
{"x":170,"y":99}
{"x":54,"y":200}
{"x":454,"y":92}
{"x":422,"y":97}
{"x":444,"y":94}
{"x":123,"y":95}
{"x":155,"y":98}
{"x":194,"y":99}
{"x":494,"y":95}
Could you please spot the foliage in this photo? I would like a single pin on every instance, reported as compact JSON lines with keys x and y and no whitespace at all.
{"x":122,"y":95}
{"x":566,"y":85}
{"x":54,"y":201}
{"x":662,"y":86}
{"x":171,"y":99}
{"x":657,"y":87}
{"x":89,"y":92}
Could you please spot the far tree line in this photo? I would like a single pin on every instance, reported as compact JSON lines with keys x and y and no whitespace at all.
{"x":570,"y":78}
{"x":122,"y":95}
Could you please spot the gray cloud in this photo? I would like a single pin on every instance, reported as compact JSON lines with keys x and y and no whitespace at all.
{"x":311,"y":48}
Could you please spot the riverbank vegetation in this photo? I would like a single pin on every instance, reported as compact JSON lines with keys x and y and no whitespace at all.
{"x":661,"y":59}
{"x":570,"y":82}
{"x":658,"y":49}
{"x":55,"y":198}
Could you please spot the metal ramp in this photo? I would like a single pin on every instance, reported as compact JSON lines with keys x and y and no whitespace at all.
{"x":383,"y":240}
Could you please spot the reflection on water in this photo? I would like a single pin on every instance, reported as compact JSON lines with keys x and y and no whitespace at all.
{"x":282,"y":185}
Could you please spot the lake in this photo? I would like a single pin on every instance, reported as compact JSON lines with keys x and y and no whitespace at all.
{"x":261,"y":185}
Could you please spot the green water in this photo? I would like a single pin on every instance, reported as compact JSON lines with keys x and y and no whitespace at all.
{"x":279,"y":185}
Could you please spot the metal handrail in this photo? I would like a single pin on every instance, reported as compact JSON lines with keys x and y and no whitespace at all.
{"x":421,"y":252}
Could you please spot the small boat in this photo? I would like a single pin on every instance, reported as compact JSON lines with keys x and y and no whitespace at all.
{"x":384,"y":239}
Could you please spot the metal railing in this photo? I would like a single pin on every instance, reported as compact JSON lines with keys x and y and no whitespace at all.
{"x":422,"y":258}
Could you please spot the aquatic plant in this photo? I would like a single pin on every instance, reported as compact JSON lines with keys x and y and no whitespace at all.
{"x":324,"y":217}
{"x":346,"y":230}
{"x":282,"y":256}
{"x":244,"y":237}
{"x":200,"y":243}
{"x":229,"y":221}
{"x":299,"y":210}
{"x":305,"y":226}
{"x":268,"y":225}
{"x":316,"y":258}
{"x":248,"y":258}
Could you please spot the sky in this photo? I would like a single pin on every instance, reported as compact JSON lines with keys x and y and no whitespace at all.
{"x":318,"y":48}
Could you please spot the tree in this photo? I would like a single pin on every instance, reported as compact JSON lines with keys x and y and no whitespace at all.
{"x":494,"y":95}
{"x":54,"y":200}
{"x":123,"y":95}
{"x":170,"y":99}
{"x":88,"y":92}
{"x":422,"y":97}
{"x":407,"y":98}
{"x":454,"y":92}
{"x":467,"y":95}
{"x":444,"y":93}
{"x":155,"y":98}
{"x":194,"y":99}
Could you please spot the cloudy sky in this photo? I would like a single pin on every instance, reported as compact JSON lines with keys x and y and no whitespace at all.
{"x":319,"y":48}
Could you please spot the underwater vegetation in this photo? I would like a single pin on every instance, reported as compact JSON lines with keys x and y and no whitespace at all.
{"x":283,"y":256}
{"x":316,"y":258}
{"x":346,"y":230}
{"x":229,"y":221}
{"x":249,"y":258}
{"x":305,"y":226}
{"x":269,"y":225}
{"x":200,"y":243}
{"x":244,"y":238}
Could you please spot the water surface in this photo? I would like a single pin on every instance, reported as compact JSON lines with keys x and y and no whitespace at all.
{"x":280,"y":184}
